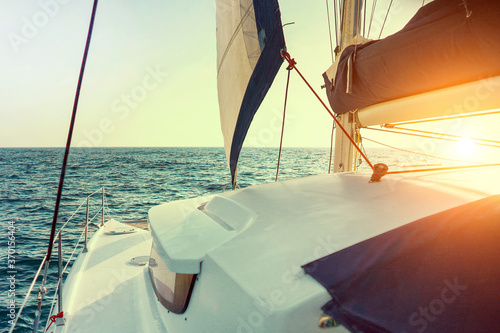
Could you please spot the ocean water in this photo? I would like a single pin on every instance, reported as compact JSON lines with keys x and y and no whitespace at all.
{"x":135,"y":179}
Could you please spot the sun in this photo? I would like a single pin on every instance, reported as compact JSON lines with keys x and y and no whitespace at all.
{"x":465,"y":146}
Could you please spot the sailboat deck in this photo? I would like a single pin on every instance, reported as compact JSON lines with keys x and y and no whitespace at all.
{"x":106,"y":290}
{"x":249,"y":250}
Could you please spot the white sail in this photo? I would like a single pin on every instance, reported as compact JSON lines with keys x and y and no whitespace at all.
{"x":237,"y":51}
{"x":249,"y":43}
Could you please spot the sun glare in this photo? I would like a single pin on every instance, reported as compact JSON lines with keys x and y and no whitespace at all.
{"x":465,"y":146}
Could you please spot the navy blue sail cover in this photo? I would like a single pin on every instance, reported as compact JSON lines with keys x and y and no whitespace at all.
{"x":272,"y":41}
{"x":437,"y":274}
{"x":440,"y":47}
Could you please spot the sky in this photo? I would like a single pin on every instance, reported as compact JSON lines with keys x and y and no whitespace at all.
{"x":150,"y":78}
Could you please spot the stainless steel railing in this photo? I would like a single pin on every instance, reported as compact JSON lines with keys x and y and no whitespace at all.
{"x":58,"y":296}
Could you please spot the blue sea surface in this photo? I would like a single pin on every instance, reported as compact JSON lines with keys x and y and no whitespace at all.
{"x":135,"y":179}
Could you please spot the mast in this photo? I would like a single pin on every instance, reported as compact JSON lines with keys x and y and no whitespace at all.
{"x":350,"y":27}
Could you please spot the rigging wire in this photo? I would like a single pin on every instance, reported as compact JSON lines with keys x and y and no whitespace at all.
{"x":444,"y":168}
{"x":374,"y":5}
{"x":28,"y":294}
{"x":428,"y":136}
{"x":362,"y":146}
{"x":292,"y":64}
{"x":68,"y":261}
{"x":358,"y":19}
{"x":336,"y":24}
{"x":331,"y":148}
{"x":416,"y":153}
{"x":341,"y":12}
{"x":283,"y":123}
{"x":70,"y":132}
{"x":358,"y":138}
{"x":364,"y":19}
{"x":444,"y":134}
{"x":41,"y":291}
{"x":475,"y":114}
{"x":330,"y":31}
{"x":385,"y":19}
{"x":337,"y":49}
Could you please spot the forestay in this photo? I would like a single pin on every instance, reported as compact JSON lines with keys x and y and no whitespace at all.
{"x":249,"y":41}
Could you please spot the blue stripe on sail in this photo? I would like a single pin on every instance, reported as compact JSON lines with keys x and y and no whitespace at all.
{"x":271,"y":39}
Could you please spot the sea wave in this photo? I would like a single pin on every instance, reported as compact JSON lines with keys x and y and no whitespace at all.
{"x":134,"y":179}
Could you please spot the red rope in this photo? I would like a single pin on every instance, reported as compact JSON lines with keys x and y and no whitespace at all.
{"x":53,"y":319}
{"x":292,"y":64}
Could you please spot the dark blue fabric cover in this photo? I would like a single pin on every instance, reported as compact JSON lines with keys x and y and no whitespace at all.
{"x":437,"y":274}
{"x":268,"y":20}
{"x":440,"y":47}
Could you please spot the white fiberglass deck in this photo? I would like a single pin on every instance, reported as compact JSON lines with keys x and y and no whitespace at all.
{"x":105,"y":291}
{"x":248,"y":246}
